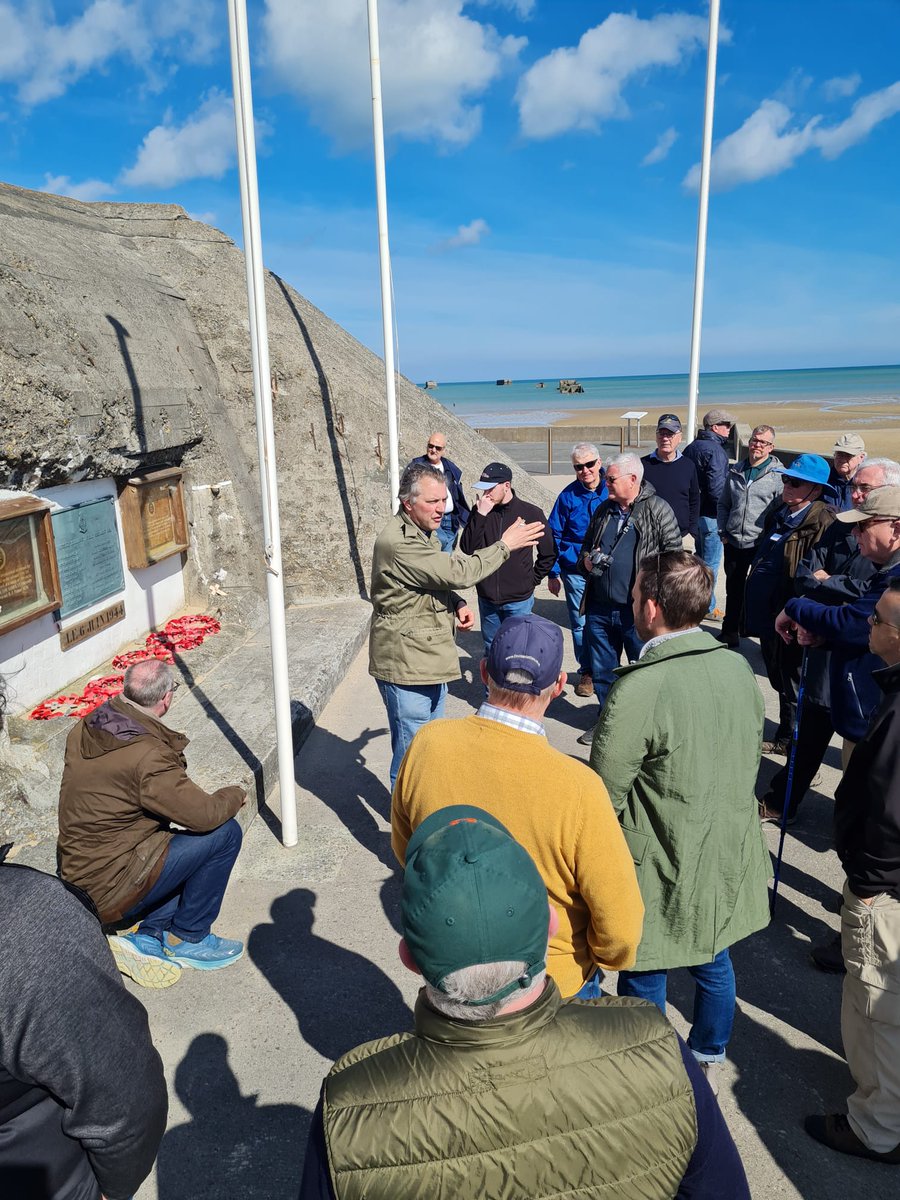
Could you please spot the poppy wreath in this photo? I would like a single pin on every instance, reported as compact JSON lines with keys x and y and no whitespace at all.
{"x":181,"y":633}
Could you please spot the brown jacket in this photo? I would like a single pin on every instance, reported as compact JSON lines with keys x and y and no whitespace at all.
{"x":125,"y":779}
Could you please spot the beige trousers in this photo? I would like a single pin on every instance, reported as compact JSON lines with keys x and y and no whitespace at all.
{"x":870,"y":1017}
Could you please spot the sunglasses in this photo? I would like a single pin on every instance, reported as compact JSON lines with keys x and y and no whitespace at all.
{"x":586,"y":466}
{"x":795,"y":482}
{"x":861,"y":525}
{"x":432,"y":446}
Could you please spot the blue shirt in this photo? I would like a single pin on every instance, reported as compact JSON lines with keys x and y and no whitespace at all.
{"x":569,"y":520}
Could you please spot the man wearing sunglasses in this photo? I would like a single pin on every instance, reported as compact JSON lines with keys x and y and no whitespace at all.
{"x":569,"y":520}
{"x":789,"y":534}
{"x":752,"y":491}
{"x":867,"y":838}
{"x":456,"y":506}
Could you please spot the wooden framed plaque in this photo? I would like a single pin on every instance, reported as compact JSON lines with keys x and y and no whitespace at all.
{"x":29,"y":578}
{"x":154,"y":522}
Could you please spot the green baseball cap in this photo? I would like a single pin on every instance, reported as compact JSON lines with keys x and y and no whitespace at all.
{"x":471,"y":895}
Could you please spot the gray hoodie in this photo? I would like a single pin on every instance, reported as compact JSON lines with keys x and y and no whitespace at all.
{"x":743,"y":506}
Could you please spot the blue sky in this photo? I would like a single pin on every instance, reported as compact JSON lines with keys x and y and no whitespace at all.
{"x":542,"y":157}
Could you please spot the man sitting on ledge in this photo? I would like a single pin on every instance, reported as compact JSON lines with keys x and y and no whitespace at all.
{"x":503,"y":1089}
{"x":124,"y":786}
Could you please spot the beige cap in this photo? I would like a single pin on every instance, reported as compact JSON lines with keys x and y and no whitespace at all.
{"x":849,"y":443}
{"x":717,"y":416}
{"x":880,"y":502}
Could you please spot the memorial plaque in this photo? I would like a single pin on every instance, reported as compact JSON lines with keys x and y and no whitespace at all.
{"x":153,"y":517}
{"x":82,"y":630}
{"x":88,"y":555}
{"x":29,"y":586}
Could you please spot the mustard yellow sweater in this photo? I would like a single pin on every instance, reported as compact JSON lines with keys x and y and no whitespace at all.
{"x":555,"y":807}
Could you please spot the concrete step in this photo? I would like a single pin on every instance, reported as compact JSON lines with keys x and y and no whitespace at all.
{"x":224,"y":707}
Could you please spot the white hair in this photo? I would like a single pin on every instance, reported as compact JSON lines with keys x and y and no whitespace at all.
{"x":585,"y":448}
{"x":482,"y":979}
{"x":889,"y":468}
{"x":629,"y":464}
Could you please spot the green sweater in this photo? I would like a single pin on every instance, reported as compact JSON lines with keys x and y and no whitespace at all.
{"x":580,"y":1099}
{"x":678,"y":748}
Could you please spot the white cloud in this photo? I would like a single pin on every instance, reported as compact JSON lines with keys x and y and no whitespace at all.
{"x":768,"y":143}
{"x":467,"y":235}
{"x":867,"y":112}
{"x":841,"y":86}
{"x":89,"y":189}
{"x":664,"y":144}
{"x":579,"y":87}
{"x":45,"y":56}
{"x":203,"y":147}
{"x":435,"y":63}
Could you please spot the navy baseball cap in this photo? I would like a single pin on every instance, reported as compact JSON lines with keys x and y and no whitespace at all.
{"x":493,"y":474}
{"x":527,"y":643}
{"x":669,"y":422}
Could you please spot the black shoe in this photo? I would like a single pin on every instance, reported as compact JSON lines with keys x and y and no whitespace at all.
{"x":835,"y":1131}
{"x":827,"y":956}
{"x":587,"y":738}
{"x":731,"y":640}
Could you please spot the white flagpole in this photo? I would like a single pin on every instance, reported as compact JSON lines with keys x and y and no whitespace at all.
{"x":262,"y":391}
{"x":700,"y":267}
{"x":384,"y":254}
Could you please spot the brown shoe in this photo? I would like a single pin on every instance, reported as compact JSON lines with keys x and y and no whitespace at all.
{"x":584,"y":686}
{"x":828,"y":956}
{"x":835,"y":1131}
{"x":777,"y":746}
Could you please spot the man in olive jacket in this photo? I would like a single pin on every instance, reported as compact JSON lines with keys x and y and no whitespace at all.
{"x":688,"y":815}
{"x":412,"y":651}
{"x":503,"y":1089}
{"x":124,"y":786}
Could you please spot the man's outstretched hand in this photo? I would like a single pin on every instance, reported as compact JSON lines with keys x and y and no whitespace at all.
{"x":522,"y":534}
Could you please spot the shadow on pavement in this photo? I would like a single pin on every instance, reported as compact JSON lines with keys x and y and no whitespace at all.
{"x":232,"y":1146}
{"x":338,"y":997}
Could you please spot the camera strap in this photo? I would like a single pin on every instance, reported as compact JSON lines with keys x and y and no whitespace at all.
{"x":626,"y":525}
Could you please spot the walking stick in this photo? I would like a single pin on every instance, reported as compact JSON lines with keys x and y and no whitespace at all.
{"x":789,"y":787}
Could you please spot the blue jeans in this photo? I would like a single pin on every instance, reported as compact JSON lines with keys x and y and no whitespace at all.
{"x":408,"y":709}
{"x":713,"y":1002}
{"x":187,"y":896}
{"x":574,"y":585}
{"x":609,"y":631}
{"x":709,"y":547}
{"x":493,"y":616}
{"x":446,"y":532}
{"x":590,"y":989}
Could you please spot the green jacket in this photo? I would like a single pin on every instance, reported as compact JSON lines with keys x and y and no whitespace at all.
{"x":413,"y":581}
{"x":678,"y":747}
{"x":585,"y":1098}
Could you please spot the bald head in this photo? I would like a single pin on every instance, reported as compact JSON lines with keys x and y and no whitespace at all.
{"x":434,"y":451}
{"x":148,"y":683}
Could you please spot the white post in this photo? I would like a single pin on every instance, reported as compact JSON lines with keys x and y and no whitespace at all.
{"x":262,"y":391}
{"x":384,"y":254}
{"x":700,"y":266}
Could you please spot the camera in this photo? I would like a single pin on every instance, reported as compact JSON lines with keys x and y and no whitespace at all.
{"x":601,"y":562}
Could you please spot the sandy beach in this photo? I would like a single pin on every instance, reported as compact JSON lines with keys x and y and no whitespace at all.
{"x":797,"y":426}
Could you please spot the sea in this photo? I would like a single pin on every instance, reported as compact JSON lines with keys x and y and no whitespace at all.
{"x":486,"y":404}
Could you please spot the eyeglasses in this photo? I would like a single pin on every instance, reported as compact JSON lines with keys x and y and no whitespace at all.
{"x":432,"y":446}
{"x":586,"y":466}
{"x":875,"y":618}
{"x":862,"y":488}
{"x":760,"y":442}
{"x":667,"y":432}
{"x":863,"y":525}
{"x":795,"y":482}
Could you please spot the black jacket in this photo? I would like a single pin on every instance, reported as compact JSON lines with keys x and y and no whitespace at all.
{"x":522,"y":572}
{"x":867,"y":800}
{"x":653,"y":519}
{"x":82,"y":1093}
{"x":452,"y":476}
{"x":708,"y":454}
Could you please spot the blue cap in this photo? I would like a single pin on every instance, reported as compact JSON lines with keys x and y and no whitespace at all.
{"x":811,"y":468}
{"x":526,"y":643}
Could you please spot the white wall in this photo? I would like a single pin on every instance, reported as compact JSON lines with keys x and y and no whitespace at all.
{"x":31,"y":658}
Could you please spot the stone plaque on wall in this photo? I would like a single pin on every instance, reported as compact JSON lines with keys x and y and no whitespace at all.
{"x":153,"y":517}
{"x":29,"y":584}
{"x":87,"y":551}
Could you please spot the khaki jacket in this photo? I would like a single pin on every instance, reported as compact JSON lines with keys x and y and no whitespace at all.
{"x":411,"y":641}
{"x":125,"y":778}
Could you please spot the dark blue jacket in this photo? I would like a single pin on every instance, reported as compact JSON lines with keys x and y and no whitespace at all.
{"x":708,"y":454}
{"x":841,"y":500}
{"x":854,"y":693}
{"x":676,"y":483}
{"x":569,"y":520}
{"x":452,"y":475}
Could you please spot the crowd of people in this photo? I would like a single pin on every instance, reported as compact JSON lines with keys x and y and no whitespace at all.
{"x":528,"y":874}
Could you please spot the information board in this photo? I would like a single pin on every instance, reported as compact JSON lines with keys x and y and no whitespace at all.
{"x":87,"y":553}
